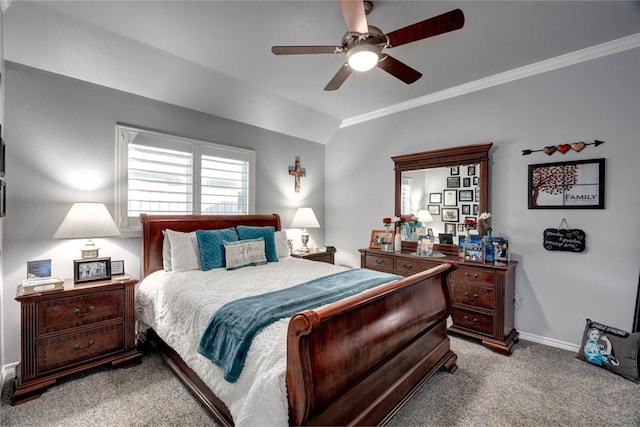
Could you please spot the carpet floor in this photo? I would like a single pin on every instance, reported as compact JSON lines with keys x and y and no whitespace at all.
{"x":537,"y":386}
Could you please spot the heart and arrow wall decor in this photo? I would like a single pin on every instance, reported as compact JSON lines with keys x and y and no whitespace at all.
{"x":564,"y":148}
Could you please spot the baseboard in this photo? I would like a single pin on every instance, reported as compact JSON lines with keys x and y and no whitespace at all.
{"x":548,"y":341}
{"x":8,"y":373}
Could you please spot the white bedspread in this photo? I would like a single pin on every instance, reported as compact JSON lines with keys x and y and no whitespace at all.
{"x":178,"y":306}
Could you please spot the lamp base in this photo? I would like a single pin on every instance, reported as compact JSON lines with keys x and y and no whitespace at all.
{"x":89,"y":250}
{"x":305,"y":240}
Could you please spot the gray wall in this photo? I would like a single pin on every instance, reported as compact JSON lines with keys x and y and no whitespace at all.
{"x":60,"y":136}
{"x":599,"y":99}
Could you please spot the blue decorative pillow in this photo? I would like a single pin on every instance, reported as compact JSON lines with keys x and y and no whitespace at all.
{"x":211,"y":245}
{"x":267,"y":233}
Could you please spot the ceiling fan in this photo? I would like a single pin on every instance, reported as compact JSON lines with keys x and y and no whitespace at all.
{"x":363,"y":44}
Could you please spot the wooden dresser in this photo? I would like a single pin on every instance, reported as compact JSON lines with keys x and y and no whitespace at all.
{"x":74,"y":329}
{"x":481,"y":295}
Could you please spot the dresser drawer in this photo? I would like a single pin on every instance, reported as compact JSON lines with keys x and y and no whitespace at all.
{"x":474,"y":275}
{"x":477,"y":322}
{"x":407,"y":267}
{"x":65,"y":350}
{"x":64,"y":313}
{"x":382,"y":263}
{"x":476,"y":296}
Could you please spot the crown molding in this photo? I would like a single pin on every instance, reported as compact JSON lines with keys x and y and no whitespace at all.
{"x":583,"y":55}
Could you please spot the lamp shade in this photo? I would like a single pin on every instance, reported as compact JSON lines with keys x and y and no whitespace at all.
{"x":305,"y":218}
{"x":424,"y":216}
{"x":85,"y":221}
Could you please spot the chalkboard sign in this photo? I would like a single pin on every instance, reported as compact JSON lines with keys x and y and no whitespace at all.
{"x":564,"y":239}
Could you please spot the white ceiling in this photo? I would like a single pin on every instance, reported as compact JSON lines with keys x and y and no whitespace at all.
{"x":214,"y":56}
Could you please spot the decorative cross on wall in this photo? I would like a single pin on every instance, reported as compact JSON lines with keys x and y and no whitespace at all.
{"x":297,"y":172}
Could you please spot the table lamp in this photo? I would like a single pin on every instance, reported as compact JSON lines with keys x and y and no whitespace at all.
{"x":86,"y":221}
{"x":305,"y":218}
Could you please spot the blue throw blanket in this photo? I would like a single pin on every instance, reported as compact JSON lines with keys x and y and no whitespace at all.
{"x":232,"y":328}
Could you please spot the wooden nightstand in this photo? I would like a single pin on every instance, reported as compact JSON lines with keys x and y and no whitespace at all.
{"x":67,"y":331}
{"x":316,"y":255}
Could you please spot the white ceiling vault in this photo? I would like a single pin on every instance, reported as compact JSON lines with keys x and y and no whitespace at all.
{"x":215,"y":57}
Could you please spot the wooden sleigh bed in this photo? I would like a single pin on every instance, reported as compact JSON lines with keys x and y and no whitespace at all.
{"x":329,"y":379}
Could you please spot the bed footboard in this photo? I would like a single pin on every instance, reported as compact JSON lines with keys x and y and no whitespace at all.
{"x":358,"y":361}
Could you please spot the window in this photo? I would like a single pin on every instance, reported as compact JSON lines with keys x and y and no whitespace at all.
{"x":405,"y":195}
{"x":163,"y":174}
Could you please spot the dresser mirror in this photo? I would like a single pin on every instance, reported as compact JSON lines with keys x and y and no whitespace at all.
{"x":442,"y":188}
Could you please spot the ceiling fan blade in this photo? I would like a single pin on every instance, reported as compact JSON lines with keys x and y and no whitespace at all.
{"x":339,"y":78}
{"x":354,"y":16}
{"x":440,"y":24}
{"x":399,"y":69}
{"x":302,"y":50}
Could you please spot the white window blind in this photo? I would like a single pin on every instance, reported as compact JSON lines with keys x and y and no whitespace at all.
{"x":162,"y":174}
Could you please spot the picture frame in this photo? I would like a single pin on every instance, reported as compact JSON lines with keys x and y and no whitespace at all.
{"x":455,"y":170}
{"x":450,"y":215}
{"x":475,"y":180}
{"x":465,"y":195}
{"x":471,"y":170}
{"x":500,"y":251}
{"x":117,"y":268}
{"x":461,"y":227}
{"x":435,"y":197}
{"x":2,"y":156}
{"x":378,"y":237}
{"x":475,"y":210}
{"x":453,"y":182}
{"x":466,"y":182}
{"x":445,"y":239}
{"x":434,"y":209}
{"x":450,"y":198}
{"x":38,"y":268}
{"x":450,"y":228}
{"x":575,"y":184}
{"x":465,"y":209}
{"x":91,"y":269}
{"x":3,"y":198}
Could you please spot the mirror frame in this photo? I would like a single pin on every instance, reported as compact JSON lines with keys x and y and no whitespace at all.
{"x":456,"y":156}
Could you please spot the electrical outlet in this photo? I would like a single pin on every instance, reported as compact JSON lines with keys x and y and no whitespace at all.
{"x":517,"y":301}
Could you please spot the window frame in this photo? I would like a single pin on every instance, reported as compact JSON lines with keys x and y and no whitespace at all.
{"x":130,"y":226}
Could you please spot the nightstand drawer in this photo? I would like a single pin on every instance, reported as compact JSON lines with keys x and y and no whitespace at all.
{"x":65,"y":350}
{"x":477,"y":322}
{"x":476,"y":296}
{"x":64,"y":313}
{"x":382,"y":263}
{"x":475,"y":275}
{"x":407,"y":267}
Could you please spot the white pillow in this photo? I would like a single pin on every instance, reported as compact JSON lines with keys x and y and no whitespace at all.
{"x":282,"y":247}
{"x":185,"y":255}
{"x":244,"y":252}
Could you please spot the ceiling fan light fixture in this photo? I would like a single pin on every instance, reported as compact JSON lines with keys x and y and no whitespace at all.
{"x":363,"y":57}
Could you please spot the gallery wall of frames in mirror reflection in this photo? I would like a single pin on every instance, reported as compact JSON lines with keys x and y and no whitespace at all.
{"x":442,"y":188}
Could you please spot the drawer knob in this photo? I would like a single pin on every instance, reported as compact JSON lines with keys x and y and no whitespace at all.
{"x":407,"y":266}
{"x":379,"y":261}
{"x":475,"y":276}
{"x":474,"y":296}
{"x":78,"y":313}
{"x":475,"y":319}
{"x":78,"y":348}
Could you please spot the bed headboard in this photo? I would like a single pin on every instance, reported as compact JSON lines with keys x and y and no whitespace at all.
{"x":152,"y":226}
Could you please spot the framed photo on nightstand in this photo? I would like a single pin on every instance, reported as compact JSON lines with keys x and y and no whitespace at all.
{"x":117,"y":268}
{"x":91,"y":269}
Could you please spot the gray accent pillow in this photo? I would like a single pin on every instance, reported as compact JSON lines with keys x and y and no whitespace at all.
{"x":612,"y":349}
